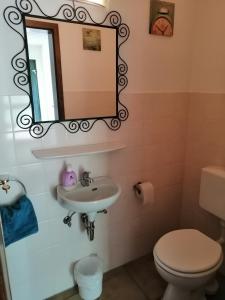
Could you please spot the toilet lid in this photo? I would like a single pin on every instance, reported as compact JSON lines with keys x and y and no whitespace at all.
{"x":188,"y":251}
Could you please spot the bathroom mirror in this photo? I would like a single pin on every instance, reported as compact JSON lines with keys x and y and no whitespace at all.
{"x":72,"y":70}
{"x":70,"y":67}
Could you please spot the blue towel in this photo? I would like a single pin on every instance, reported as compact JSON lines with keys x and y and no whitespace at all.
{"x":18,"y":220}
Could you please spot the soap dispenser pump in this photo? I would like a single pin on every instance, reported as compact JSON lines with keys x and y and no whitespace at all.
{"x":69,"y":178}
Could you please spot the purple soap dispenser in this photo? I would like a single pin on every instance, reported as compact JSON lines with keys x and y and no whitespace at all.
{"x":69,"y":178}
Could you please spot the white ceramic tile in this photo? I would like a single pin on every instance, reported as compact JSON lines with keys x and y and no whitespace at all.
{"x":140,"y":246}
{"x":126,"y":161}
{"x":42,"y":207}
{"x":18,"y":103}
{"x":61,"y":233}
{"x":19,"y":269}
{"x":118,"y":211}
{"x":46,"y":263}
{"x":59,"y":265}
{"x":53,"y":208}
{"x":78,"y":138}
{"x":33,"y":178}
{"x":98,"y":165}
{"x":7,"y":153}
{"x":55,"y":137}
{"x":6,"y":170}
{"x":49,"y":274}
{"x":127,"y":231}
{"x":35,"y":270}
{"x":120,"y":253}
{"x":135,"y":105}
{"x":52,"y":173}
{"x":5,"y":114}
{"x":41,"y":264}
{"x":24,"y":291}
{"x":98,"y":134}
{"x":24,"y":144}
{"x":43,"y":239}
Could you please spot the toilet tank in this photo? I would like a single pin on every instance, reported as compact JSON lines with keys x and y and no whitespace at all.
{"x":212,"y":191}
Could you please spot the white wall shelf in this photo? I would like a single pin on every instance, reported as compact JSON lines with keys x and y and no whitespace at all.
{"x":80,"y":150}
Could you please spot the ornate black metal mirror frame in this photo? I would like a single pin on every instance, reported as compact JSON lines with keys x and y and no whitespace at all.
{"x":14,"y":17}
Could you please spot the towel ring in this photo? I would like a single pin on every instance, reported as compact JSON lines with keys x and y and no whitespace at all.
{"x":4,"y":183}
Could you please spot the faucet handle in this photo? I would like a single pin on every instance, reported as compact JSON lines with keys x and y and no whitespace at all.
{"x":85,"y":180}
{"x":86,"y":174}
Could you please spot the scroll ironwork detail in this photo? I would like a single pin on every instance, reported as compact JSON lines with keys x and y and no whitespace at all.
{"x":14,"y":15}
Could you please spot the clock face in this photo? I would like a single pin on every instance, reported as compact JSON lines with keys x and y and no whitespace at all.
{"x":162,"y":26}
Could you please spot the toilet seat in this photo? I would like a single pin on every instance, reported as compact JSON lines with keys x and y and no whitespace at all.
{"x":188,"y":253}
{"x":188,"y":275}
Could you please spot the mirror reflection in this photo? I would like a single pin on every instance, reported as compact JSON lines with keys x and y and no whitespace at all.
{"x":72,"y":70}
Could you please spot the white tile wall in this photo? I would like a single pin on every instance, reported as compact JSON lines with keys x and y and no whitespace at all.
{"x":7,"y":149}
{"x":42,"y":262}
{"x":41,"y":265}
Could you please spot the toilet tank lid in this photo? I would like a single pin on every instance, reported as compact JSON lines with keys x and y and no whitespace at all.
{"x":215,"y":170}
{"x":188,"y":251}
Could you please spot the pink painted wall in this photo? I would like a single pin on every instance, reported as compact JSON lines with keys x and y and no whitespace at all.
{"x":206,"y":117}
{"x":88,"y":76}
{"x":89,"y":104}
{"x":208,"y":48}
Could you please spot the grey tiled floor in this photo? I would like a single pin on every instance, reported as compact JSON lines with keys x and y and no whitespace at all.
{"x":137,"y":280}
{"x":221,"y":292}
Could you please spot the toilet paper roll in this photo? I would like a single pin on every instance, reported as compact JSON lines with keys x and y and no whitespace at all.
{"x":145,"y":192}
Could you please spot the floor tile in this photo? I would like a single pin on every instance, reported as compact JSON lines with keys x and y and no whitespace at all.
{"x":121,"y":287}
{"x":137,"y":280}
{"x":75,"y":297}
{"x":221,"y":292}
{"x":67,"y":295}
{"x":143,"y":272}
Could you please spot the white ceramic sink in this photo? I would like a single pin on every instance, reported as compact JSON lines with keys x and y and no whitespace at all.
{"x":99,"y":195}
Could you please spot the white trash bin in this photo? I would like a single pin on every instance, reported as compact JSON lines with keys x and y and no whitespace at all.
{"x":88,"y":275}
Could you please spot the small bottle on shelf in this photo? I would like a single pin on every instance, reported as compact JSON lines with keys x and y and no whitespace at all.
{"x":69,"y":178}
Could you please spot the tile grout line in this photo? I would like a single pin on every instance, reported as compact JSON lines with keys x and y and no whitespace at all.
{"x":136,"y":283}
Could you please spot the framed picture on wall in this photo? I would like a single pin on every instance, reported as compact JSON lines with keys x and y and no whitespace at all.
{"x":161,"y":18}
{"x":91,"y":39}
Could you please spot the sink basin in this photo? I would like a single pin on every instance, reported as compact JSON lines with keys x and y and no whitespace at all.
{"x":99,"y":195}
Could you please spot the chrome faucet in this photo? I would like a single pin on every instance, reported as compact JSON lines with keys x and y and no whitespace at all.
{"x":85,"y":179}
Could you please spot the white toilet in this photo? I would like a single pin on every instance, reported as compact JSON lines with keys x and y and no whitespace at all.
{"x":187,"y":259}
